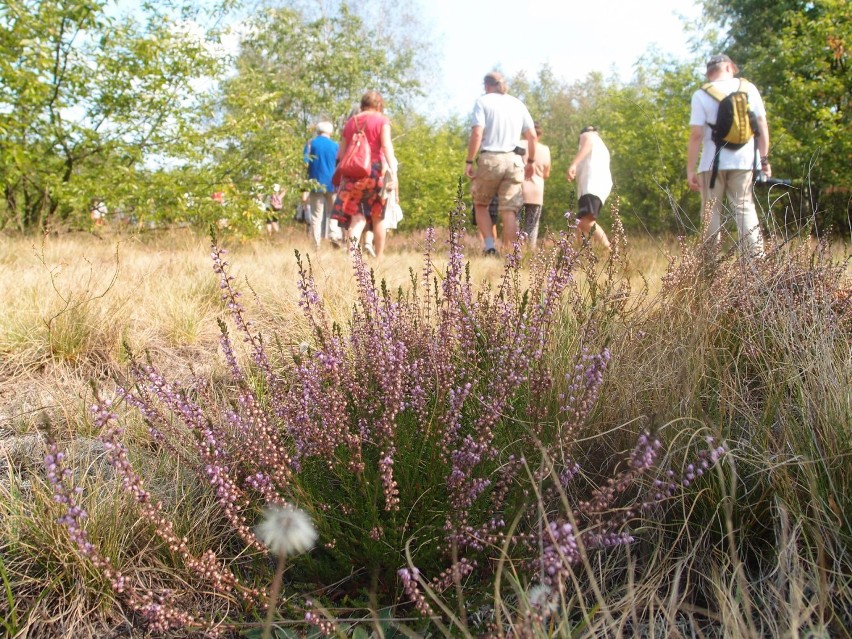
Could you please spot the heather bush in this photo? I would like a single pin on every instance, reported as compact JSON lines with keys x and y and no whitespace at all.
{"x":433,"y":439}
{"x":758,"y":349}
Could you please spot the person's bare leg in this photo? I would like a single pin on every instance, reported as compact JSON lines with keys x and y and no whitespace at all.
{"x":510,"y":229}
{"x":483,"y":222}
{"x":379,"y":237}
{"x":584,"y":228}
{"x":356,"y":227}
{"x":601,"y":237}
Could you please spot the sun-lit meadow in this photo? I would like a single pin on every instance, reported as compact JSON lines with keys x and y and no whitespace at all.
{"x":655,"y":443}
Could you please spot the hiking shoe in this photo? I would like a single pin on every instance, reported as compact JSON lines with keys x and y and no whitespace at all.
{"x":491,"y":253}
{"x":369,"y":250}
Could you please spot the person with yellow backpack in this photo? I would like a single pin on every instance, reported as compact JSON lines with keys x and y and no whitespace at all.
{"x":728,"y":125}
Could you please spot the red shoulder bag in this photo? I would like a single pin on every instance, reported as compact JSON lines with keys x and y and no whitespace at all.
{"x":356,"y":162}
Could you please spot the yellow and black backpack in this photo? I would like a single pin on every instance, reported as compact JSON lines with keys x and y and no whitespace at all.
{"x":736,"y":123}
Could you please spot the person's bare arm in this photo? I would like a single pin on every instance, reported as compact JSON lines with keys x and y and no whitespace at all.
{"x":387,"y":149}
{"x":584,"y":150}
{"x":763,"y":145}
{"x":472,"y":149}
{"x":531,"y":138}
{"x":696,"y":136}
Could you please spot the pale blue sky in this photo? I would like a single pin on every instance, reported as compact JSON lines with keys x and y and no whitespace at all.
{"x":574,"y":38}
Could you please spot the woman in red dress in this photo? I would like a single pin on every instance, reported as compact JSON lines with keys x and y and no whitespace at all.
{"x":360,"y":201}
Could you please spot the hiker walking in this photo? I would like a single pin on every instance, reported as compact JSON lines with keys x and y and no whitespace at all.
{"x":320,"y":156}
{"x":359,"y":199}
{"x":590,"y":167}
{"x":497,"y":124}
{"x":274,"y":204}
{"x":728,"y":123}
{"x":533,"y":190}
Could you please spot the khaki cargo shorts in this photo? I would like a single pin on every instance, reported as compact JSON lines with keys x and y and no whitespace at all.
{"x":500,"y":174}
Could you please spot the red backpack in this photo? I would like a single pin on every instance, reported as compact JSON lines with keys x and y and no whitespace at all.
{"x":356,"y":162}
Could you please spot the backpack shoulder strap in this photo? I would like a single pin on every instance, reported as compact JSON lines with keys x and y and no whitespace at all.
{"x":713,"y":92}
{"x":359,"y":124}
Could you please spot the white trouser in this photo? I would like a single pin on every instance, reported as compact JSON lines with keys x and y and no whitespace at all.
{"x":322,"y":226}
{"x":736,"y":185}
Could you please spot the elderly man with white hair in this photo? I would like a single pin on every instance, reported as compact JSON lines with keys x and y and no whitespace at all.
{"x":320,"y":157}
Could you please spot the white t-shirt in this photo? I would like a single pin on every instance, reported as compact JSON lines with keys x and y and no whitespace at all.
{"x":593,"y":174}
{"x":503,"y":118}
{"x":704,"y":112}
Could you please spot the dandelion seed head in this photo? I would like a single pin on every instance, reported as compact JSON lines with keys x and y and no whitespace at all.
{"x":541,"y":598}
{"x":286,"y":530}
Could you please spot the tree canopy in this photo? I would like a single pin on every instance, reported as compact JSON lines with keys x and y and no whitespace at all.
{"x":149,"y":112}
{"x":800,"y":56}
{"x":87,"y":99}
{"x":290,"y":72}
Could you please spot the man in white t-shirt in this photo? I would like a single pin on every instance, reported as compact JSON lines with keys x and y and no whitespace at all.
{"x":736,"y":166}
{"x":497,"y":124}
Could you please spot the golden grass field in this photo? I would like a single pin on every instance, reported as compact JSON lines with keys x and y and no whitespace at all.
{"x":774,"y":377}
{"x":71,"y":301}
